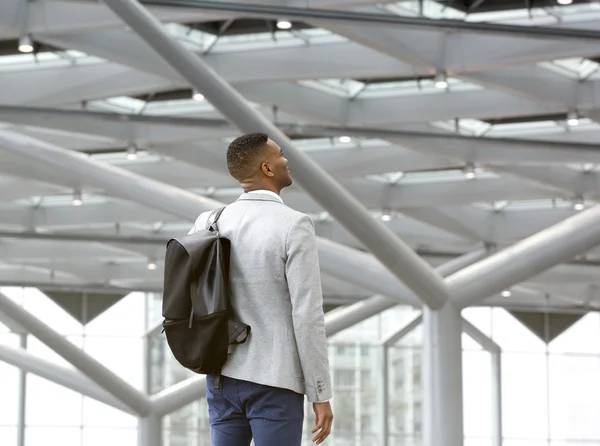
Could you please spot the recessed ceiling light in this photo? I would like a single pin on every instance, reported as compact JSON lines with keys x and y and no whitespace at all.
{"x":284,"y":24}
{"x":25,"y":44}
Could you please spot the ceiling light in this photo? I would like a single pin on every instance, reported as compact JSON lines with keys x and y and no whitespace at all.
{"x":506,"y":293}
{"x":77,"y":200}
{"x":469,"y":171}
{"x":151,"y":264}
{"x":197,"y":96}
{"x":284,"y":24}
{"x":132,"y":153}
{"x":25,"y":44}
{"x":578,"y":204}
{"x":440,"y":80}
{"x":564,"y":2}
{"x":572,"y":118}
{"x":386,"y":216}
{"x":345,"y":139}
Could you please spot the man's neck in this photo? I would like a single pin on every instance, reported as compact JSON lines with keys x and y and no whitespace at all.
{"x":254,"y":188}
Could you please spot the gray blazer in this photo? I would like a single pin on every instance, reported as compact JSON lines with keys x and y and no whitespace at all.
{"x":275,"y":288}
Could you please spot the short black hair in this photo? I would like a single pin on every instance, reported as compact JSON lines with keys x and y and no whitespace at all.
{"x":243,"y":152}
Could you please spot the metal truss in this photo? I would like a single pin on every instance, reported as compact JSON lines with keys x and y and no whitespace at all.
{"x":346,"y":190}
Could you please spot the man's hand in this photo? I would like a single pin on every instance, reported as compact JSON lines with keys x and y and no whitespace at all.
{"x":324,"y":420}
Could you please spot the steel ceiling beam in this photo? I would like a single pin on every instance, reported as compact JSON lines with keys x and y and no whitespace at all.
{"x":379,"y":239}
{"x":294,"y":129}
{"x":358,"y":17}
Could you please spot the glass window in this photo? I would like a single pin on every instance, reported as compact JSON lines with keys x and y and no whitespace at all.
{"x":93,"y":436}
{"x":125,"y":318}
{"x":481,"y":317}
{"x":97,"y":414}
{"x":46,"y":310}
{"x":123,"y":356}
{"x":525,"y":396}
{"x":513,"y":336}
{"x":8,"y":435}
{"x":478,"y":442}
{"x":574,"y":397}
{"x":40,"y":350}
{"x":477,"y":391}
{"x":49,"y":404}
{"x":344,"y":378}
{"x":581,"y":337}
{"x":46,"y":436}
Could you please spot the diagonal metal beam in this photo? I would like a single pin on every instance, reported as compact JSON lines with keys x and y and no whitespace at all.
{"x":96,"y":371}
{"x":480,"y":337}
{"x":99,"y":238}
{"x":527,"y":258}
{"x":179,"y":395}
{"x":350,"y":17}
{"x":397,"y":334}
{"x":380,"y":240}
{"x":116,"y":181}
{"x":63,"y":376}
{"x":360,"y":311}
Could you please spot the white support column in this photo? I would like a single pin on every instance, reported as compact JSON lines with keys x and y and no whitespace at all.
{"x":384,"y":345}
{"x":384,"y":399}
{"x":442,"y":377}
{"x":22,"y":420}
{"x":497,"y":431}
{"x":496,"y":354}
{"x":150,"y":432}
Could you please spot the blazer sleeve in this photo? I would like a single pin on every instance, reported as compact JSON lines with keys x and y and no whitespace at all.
{"x":304,"y":283}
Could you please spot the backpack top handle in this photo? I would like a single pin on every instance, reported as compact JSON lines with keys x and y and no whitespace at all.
{"x":211,"y":222}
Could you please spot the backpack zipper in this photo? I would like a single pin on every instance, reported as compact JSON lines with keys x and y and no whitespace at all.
{"x":191,"y":317}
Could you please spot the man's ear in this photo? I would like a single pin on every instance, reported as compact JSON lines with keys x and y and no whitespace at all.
{"x":267,"y":170}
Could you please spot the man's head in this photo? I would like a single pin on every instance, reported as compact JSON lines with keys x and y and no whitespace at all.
{"x":258,"y":163}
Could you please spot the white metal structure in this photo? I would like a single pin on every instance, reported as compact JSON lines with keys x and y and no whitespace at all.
{"x":415,"y":138}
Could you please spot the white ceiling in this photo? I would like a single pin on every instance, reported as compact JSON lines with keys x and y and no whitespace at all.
{"x":523,"y":184}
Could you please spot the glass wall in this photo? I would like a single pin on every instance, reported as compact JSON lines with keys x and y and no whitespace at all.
{"x":551,"y":393}
{"x":55,"y":414}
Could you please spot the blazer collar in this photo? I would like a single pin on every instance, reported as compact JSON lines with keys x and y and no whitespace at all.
{"x":259,"y":196}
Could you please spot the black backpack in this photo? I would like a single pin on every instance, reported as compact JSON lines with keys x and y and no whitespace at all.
{"x":195,"y":305}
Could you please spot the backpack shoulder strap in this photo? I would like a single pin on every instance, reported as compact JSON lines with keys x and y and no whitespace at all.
{"x":211,"y":222}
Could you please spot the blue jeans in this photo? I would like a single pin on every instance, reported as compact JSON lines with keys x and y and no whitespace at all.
{"x":240,"y":410}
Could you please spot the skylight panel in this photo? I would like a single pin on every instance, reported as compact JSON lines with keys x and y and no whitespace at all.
{"x":574,"y":68}
{"x":254,"y":41}
{"x":43,"y":60}
{"x":465,"y":126}
{"x":429,"y":9}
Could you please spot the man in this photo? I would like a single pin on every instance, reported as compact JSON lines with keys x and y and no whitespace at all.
{"x":275,"y":287}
